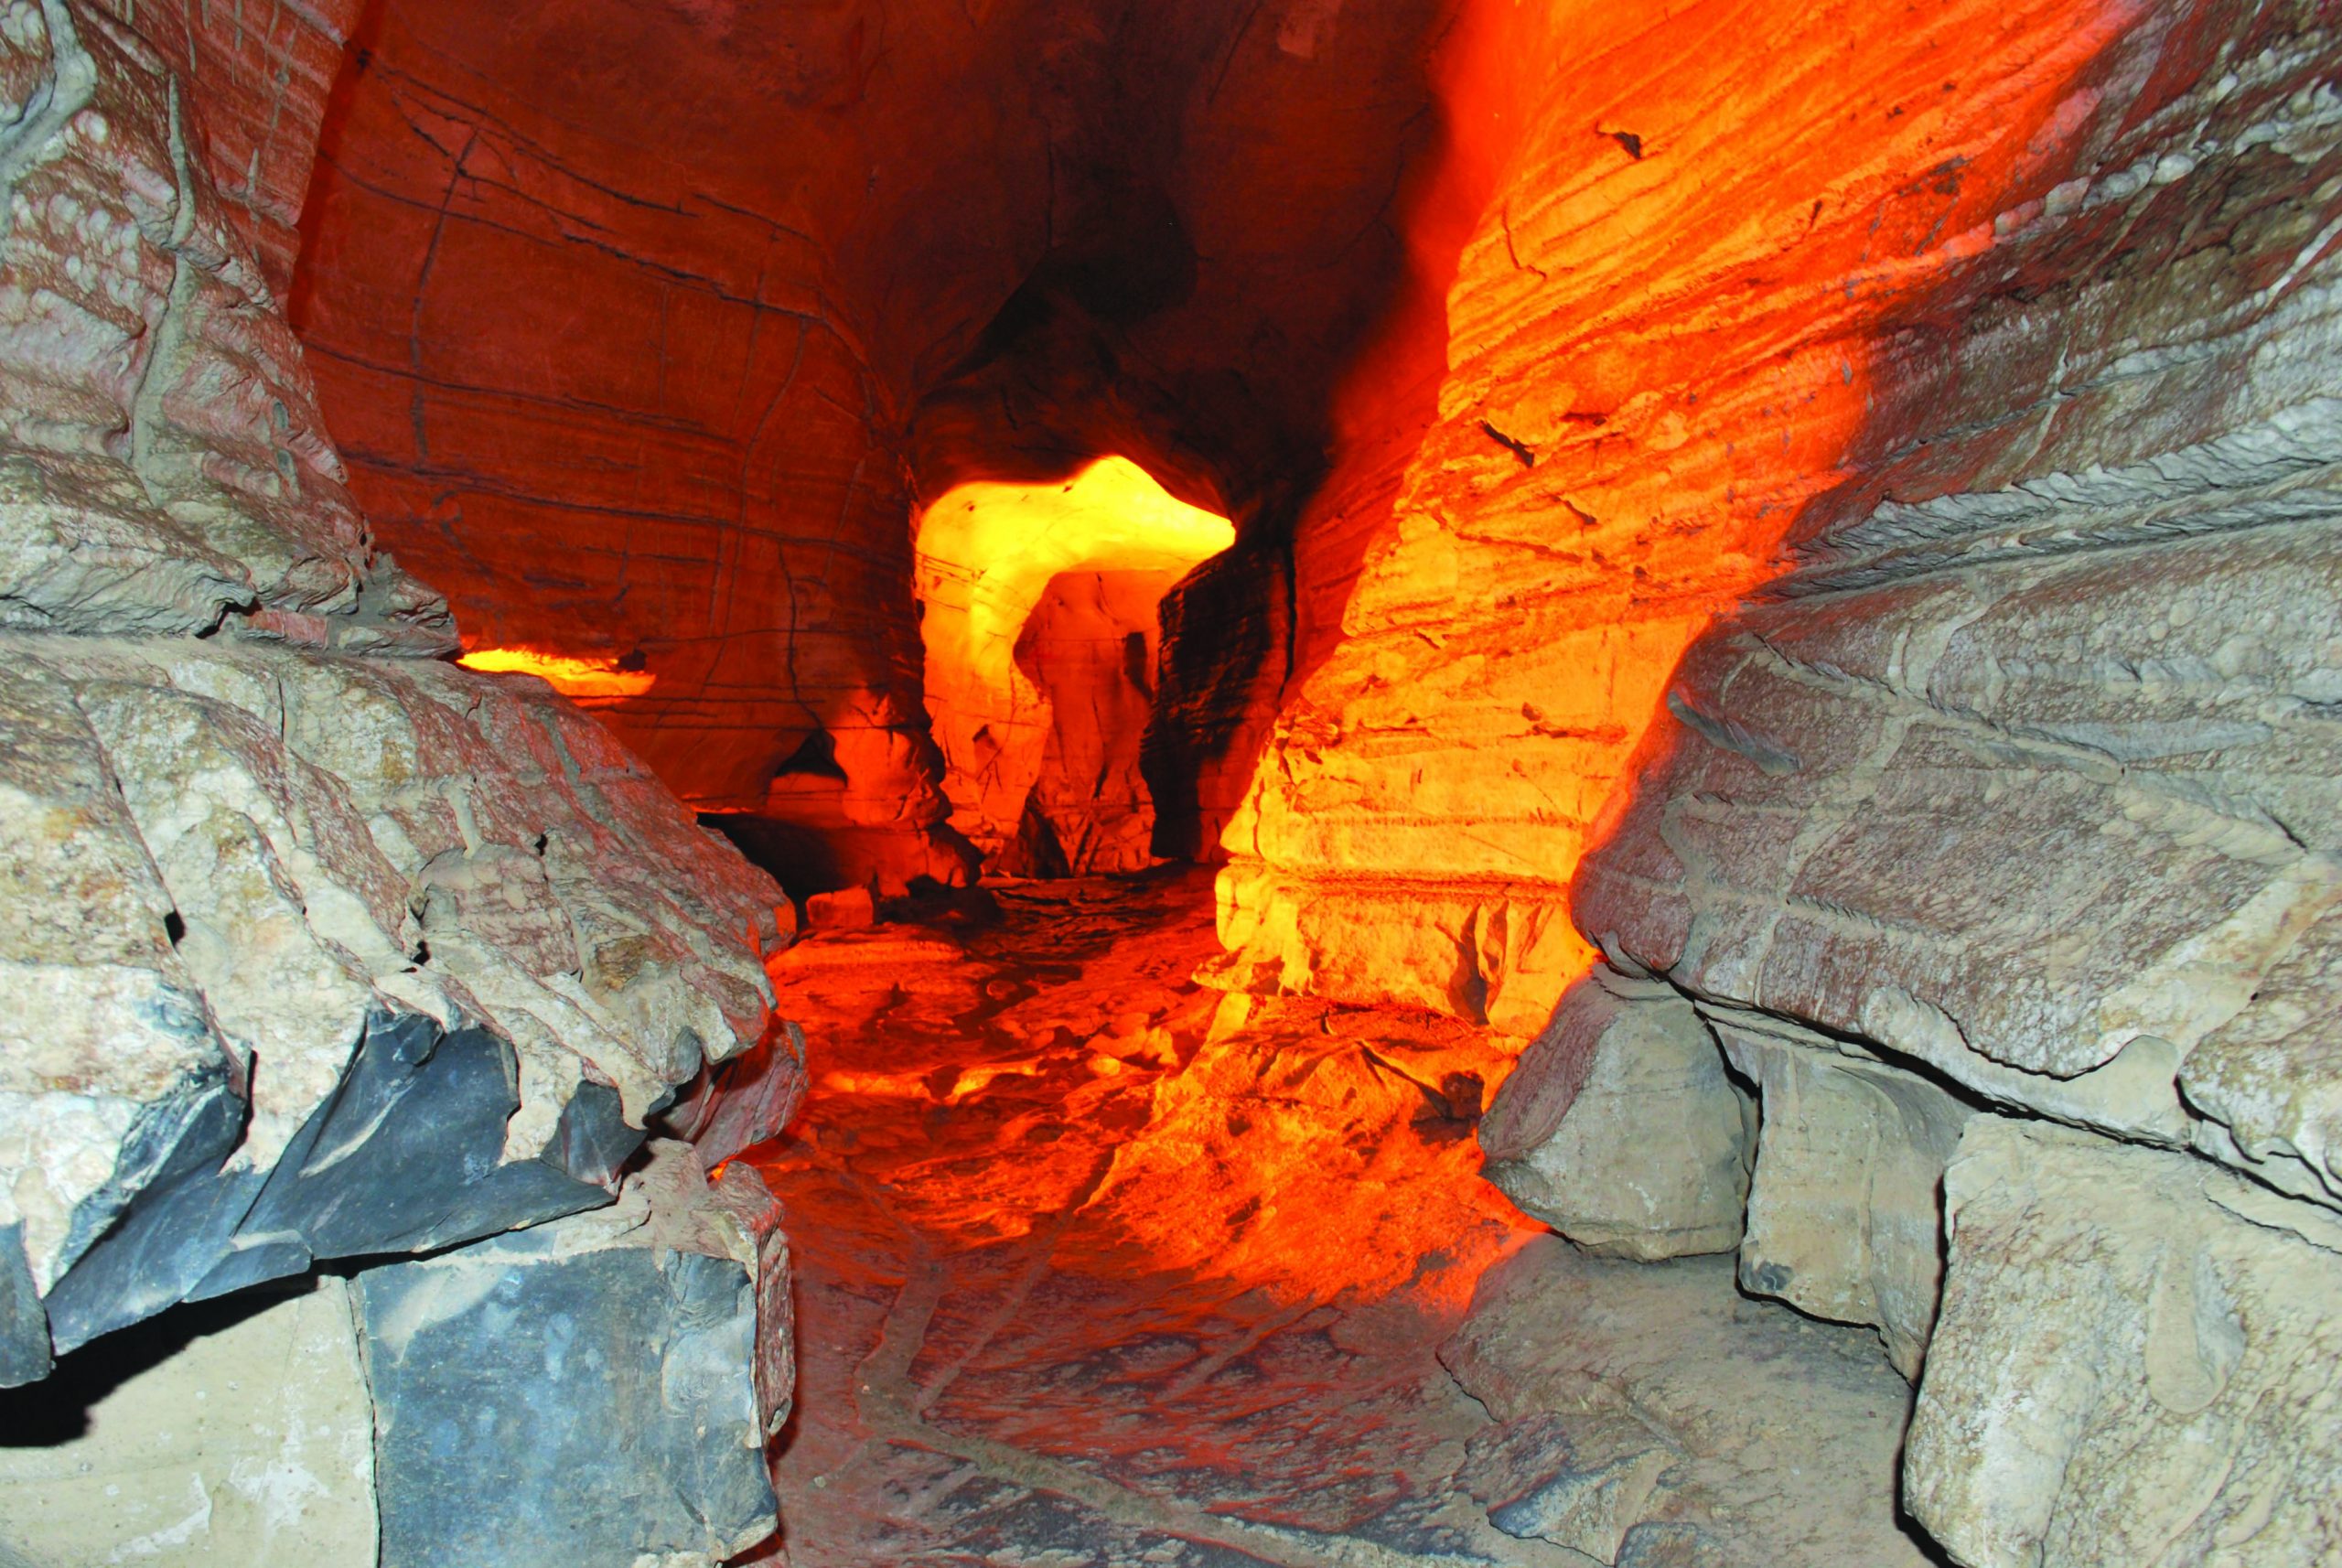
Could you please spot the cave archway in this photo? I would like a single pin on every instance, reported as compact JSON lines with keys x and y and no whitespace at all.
{"x":1038,"y":611}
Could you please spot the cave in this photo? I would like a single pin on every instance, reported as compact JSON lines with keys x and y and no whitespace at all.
{"x":1076,"y":783}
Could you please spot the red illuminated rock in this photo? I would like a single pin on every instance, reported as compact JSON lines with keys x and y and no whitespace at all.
{"x":660,"y":383}
{"x":1667,"y":335}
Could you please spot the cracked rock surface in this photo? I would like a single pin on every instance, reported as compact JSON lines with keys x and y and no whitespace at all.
{"x":330,"y":956}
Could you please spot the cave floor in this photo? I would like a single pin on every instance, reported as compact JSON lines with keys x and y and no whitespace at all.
{"x":1097,"y":1266}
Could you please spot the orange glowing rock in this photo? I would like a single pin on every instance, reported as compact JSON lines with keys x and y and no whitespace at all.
{"x":1039,"y":612}
{"x":585,"y":681}
{"x":1658,"y":349}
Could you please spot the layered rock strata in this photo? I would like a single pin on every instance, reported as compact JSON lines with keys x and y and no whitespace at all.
{"x":1722,"y":293}
{"x":330,"y":956}
{"x":809,"y":269}
{"x":1995,"y":845}
{"x":320,"y":948}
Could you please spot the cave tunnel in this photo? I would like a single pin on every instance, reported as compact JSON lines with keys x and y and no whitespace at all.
{"x":1377,"y":783}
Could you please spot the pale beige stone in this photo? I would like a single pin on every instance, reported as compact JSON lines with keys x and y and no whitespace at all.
{"x":1845,"y":1203}
{"x":1621,"y":1128}
{"x":2134,"y":1364}
{"x":250,"y":1447}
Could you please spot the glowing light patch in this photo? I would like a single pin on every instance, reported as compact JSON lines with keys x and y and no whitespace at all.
{"x":987,"y":552}
{"x":572,"y":677}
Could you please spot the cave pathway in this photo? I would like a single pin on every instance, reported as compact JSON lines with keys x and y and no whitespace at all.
{"x":1097,"y":1266}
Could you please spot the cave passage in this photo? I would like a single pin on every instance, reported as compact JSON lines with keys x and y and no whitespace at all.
{"x":1099,"y":1266}
{"x":1040,"y":614}
{"x":1077,"y":783}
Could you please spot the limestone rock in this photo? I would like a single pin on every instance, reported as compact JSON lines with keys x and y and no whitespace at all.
{"x":241,"y":1436}
{"x":1845,"y":1203}
{"x":586,"y":1391}
{"x":1620,"y":1127}
{"x":1675,"y":360}
{"x":1038,"y":609}
{"x":327,"y":957}
{"x":1651,"y":1416}
{"x":2134,"y":1362}
{"x":1988,"y":727}
{"x":164,"y":461}
{"x":1583,"y":1482}
{"x":736,"y":1104}
{"x":992,"y":249}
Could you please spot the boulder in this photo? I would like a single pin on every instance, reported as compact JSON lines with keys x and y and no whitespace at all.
{"x":326,"y":956}
{"x":589,"y":1391}
{"x":1649,"y":1415}
{"x":2133,"y":1363}
{"x":1620,"y":1126}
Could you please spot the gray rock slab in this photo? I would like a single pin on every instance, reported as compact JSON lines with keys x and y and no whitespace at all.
{"x":584,"y":1393}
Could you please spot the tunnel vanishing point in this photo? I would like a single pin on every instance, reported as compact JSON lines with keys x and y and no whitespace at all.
{"x":1079,"y":783}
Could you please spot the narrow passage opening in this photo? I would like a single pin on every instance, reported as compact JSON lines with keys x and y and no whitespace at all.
{"x":1039,"y":615}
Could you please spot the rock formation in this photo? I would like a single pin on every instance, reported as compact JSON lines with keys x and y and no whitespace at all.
{"x":2009,"y":800}
{"x":1038,"y":607}
{"x":1768,"y":570}
{"x":321,"y":949}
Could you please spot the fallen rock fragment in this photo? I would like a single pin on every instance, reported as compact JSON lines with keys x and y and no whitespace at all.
{"x":1620,"y":1127}
{"x":589,"y":1391}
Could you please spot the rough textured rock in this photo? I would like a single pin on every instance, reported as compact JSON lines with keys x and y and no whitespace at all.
{"x":163,"y":461}
{"x":2134,"y":1362}
{"x":1620,"y":1128}
{"x":1037,"y":607}
{"x":1107,"y":1270}
{"x":587,"y":1391}
{"x":2128,"y":735}
{"x":1846,"y":1202}
{"x":807,"y":268}
{"x":1650,"y":1417}
{"x":244,"y":1438}
{"x":333,"y":957}
{"x":1709,"y":331}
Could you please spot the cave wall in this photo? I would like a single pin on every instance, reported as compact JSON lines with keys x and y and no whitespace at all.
{"x":584,"y":340}
{"x":647,"y":328}
{"x":1670,"y":330}
{"x":1013,"y":699}
{"x":320,"y":948}
{"x":1966,"y":905}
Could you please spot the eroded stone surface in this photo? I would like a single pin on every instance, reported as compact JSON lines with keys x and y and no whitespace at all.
{"x":2134,"y":1361}
{"x":1099,"y":1268}
{"x":406,"y":956}
{"x":2006,"y":727}
{"x":1979,"y":307}
{"x":1658,"y":1417}
{"x":1620,"y":1127}
{"x":163,"y":459}
{"x":1845,"y":1207}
